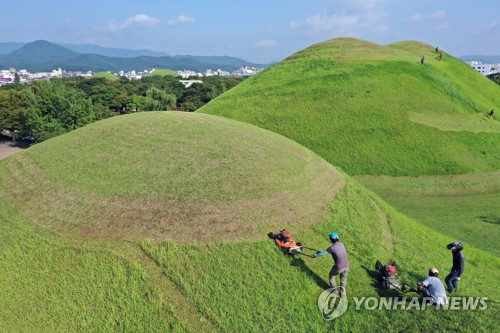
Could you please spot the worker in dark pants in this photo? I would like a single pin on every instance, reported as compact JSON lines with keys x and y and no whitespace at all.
{"x":458,"y":265}
{"x":340,"y":263}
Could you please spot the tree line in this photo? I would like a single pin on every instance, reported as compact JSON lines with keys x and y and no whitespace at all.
{"x":44,"y":109}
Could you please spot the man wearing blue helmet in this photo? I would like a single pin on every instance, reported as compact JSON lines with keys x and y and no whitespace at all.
{"x":340,"y":266}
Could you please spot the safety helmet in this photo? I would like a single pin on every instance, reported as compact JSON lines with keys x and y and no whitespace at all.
{"x":455,"y":246}
{"x":334,"y":236}
{"x":433,"y":271}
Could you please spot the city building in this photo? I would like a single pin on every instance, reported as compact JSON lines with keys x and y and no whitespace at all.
{"x":485,"y":69}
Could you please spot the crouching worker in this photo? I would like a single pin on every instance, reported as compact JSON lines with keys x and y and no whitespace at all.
{"x":433,"y":288}
{"x":340,"y":263}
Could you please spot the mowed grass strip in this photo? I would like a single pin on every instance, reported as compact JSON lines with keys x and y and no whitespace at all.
{"x":461,"y":206}
{"x":173,"y":175}
{"x":363,"y":107}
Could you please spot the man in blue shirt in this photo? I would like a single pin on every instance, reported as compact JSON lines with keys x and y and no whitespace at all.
{"x":433,"y":287}
{"x":340,"y":265}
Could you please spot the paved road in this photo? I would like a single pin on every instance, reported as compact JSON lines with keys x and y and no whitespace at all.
{"x":6,"y":149}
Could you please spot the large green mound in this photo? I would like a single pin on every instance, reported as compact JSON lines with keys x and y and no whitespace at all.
{"x":374,"y":109}
{"x":169,"y":175}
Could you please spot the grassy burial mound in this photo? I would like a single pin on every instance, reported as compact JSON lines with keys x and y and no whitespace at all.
{"x":101,"y":179}
{"x":374,"y":109}
{"x":170,"y":176}
{"x":107,"y":76}
{"x":164,"y":72}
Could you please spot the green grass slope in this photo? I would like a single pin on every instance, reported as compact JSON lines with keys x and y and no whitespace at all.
{"x":373,"y":109}
{"x":52,"y":282}
{"x":169,"y":175}
{"x":461,"y":206}
{"x":163,"y":72}
{"x":113,"y":182}
{"x":106,"y":75}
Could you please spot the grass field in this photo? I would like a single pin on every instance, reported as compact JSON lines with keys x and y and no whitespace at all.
{"x":246,"y":287}
{"x":459,"y":206}
{"x":158,"y":221}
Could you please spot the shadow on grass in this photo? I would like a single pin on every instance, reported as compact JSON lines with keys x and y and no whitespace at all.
{"x":492,"y":220}
{"x":300,"y":264}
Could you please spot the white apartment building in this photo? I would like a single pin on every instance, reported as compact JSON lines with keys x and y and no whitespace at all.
{"x":485,"y":69}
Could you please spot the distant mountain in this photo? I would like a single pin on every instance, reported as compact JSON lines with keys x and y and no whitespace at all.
{"x":226,"y":60}
{"x":44,"y":56}
{"x":113,"y":52}
{"x":41,"y":51}
{"x":487,"y":59}
{"x":8,"y":47}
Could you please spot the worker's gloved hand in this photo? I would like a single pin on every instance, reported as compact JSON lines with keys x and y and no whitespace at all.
{"x":314,"y":255}
{"x":458,"y":278}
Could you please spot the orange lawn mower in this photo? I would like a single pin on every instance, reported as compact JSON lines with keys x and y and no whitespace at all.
{"x":287,"y":244}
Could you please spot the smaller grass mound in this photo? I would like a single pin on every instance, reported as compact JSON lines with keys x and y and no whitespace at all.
{"x":179,"y":176}
{"x":164,"y":72}
{"x":106,"y":75}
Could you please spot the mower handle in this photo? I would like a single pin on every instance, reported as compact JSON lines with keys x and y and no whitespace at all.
{"x":310,"y":248}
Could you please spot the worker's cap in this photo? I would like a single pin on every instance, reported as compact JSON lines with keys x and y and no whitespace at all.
{"x":455,"y":246}
{"x":334,"y":235}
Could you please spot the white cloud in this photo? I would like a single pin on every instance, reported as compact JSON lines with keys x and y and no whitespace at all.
{"x":264,"y":44}
{"x":139,"y":20}
{"x":345,"y":18}
{"x":495,"y":26}
{"x":443,"y":26}
{"x":182,"y":19}
{"x":342,"y":24}
{"x":436,"y":15}
{"x":356,"y":4}
{"x":318,"y":24}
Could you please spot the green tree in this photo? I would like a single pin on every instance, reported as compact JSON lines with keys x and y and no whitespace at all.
{"x":13,"y":104}
{"x":198,"y":95}
{"x":55,"y":109}
{"x":496,"y":79}
{"x":159,"y":100}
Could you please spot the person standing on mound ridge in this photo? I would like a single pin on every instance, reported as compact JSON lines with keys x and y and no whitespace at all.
{"x":340,"y":263}
{"x":422,"y":60}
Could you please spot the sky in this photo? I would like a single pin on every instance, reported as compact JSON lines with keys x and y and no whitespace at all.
{"x":258,"y":31}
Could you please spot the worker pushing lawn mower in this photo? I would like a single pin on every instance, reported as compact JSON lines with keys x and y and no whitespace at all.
{"x":340,"y":263}
{"x":287,"y":244}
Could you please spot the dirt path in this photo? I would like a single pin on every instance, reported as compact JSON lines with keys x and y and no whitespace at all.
{"x":7,"y":149}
